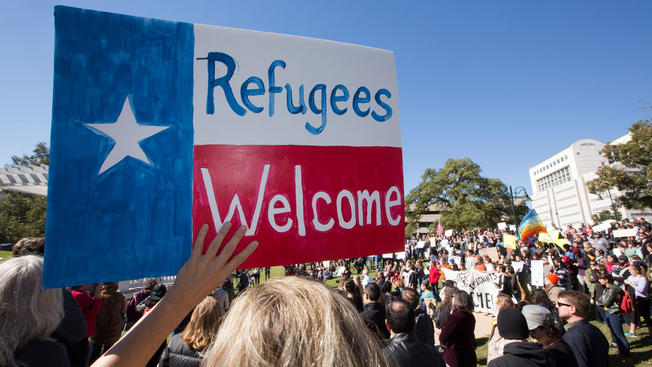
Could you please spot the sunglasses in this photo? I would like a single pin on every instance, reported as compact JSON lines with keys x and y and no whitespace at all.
{"x":559,"y":304}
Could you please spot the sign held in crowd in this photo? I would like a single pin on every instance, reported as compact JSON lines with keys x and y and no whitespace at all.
{"x":177,"y":125}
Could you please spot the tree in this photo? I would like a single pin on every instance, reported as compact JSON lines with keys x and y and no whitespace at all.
{"x":40,"y":157}
{"x":471,"y":200}
{"x":23,"y":215}
{"x":631,"y":171}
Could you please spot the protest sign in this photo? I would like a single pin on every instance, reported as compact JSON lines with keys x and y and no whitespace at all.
{"x":512,"y":227}
{"x":481,"y":285}
{"x":421,"y":244}
{"x":400,"y":255}
{"x":491,"y":251}
{"x":603,"y":226}
{"x":388,"y":256}
{"x":509,"y":241}
{"x":448,"y":232}
{"x":517,"y":265}
{"x":536,"y":267}
{"x":177,"y":125}
{"x":502,"y":226}
{"x":624,"y":232}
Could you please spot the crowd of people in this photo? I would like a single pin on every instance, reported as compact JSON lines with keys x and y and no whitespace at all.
{"x":385,"y":312}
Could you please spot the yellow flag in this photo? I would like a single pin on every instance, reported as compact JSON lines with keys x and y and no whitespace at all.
{"x":545,"y":238}
{"x":558,"y":239}
{"x":509,"y":241}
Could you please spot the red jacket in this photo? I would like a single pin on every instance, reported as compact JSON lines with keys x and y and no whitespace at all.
{"x":90,"y":307}
{"x":433,"y":275}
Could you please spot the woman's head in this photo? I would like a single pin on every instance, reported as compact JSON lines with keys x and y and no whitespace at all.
{"x":203,"y":325}
{"x":503,"y":301}
{"x":462,"y":301}
{"x":269,"y":325}
{"x":28,"y":312}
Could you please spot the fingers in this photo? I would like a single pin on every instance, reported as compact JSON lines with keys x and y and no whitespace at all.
{"x":241,"y":256}
{"x":198,"y":248}
{"x":216,"y":243}
{"x":231,"y":245}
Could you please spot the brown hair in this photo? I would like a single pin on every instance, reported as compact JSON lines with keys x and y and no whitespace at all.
{"x":203,"y":325}
{"x":578,"y":300}
{"x":503,"y":301}
{"x":462,"y":302}
{"x":29,"y":246}
{"x":293,"y":321}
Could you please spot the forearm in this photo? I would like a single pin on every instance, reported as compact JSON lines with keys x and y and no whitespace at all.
{"x":140,"y":343}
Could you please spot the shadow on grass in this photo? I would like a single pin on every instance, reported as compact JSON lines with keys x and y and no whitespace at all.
{"x":482,"y":344}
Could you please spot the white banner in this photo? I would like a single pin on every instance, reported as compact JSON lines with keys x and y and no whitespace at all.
{"x":517,"y":265}
{"x":388,"y":256}
{"x":400,"y":255}
{"x":603,"y":226}
{"x":448,"y":232}
{"x":502,"y":226}
{"x":421,"y":244}
{"x":536,"y":266}
{"x":512,"y":227}
{"x":625,"y":232}
{"x":481,"y":285}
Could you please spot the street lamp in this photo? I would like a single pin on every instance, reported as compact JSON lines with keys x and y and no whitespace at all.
{"x":518,"y":191}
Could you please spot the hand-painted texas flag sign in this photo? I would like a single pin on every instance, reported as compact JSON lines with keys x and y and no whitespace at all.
{"x":159,"y":127}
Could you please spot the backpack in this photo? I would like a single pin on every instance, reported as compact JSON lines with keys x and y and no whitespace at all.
{"x":627,"y":303}
{"x":431,"y":307}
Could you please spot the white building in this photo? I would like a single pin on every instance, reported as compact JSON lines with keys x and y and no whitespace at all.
{"x":560,"y":195}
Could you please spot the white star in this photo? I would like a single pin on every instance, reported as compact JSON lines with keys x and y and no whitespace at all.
{"x":126,"y":132}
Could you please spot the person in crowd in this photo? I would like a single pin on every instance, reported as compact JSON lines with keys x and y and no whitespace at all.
{"x":609,"y":301}
{"x":457,"y":335}
{"x":109,"y":321}
{"x":517,"y":351}
{"x":544,"y":329}
{"x":366,"y":279}
{"x":72,"y":328}
{"x":89,"y":299}
{"x":132,"y":315}
{"x":353,"y":294}
{"x":426,"y":291}
{"x":563,"y":275}
{"x":446,"y":305}
{"x":187,"y":348}
{"x":222,"y":298}
{"x":404,"y":349}
{"x":374,"y":311}
{"x":496,"y":341}
{"x":638,"y":281}
{"x":479,"y":263}
{"x":551,"y":285}
{"x":424,"y":329}
{"x":540,"y":298}
{"x":29,"y":315}
{"x":587,"y":342}
{"x":433,"y":279}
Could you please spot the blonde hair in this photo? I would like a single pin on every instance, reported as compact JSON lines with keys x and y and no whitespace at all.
{"x":27,"y":311}
{"x":296,"y":322}
{"x":203,"y":325}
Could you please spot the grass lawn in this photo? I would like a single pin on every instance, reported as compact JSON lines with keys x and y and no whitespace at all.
{"x":5,"y":255}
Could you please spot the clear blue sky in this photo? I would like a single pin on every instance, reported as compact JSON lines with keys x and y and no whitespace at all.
{"x":505,"y":83}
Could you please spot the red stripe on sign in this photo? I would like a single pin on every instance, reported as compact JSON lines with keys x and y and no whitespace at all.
{"x":302,"y":203}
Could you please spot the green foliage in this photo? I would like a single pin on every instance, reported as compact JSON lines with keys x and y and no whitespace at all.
{"x":40,"y":157}
{"x":606,"y":215}
{"x":21,"y":215}
{"x":631,"y":172}
{"x":472,"y":201}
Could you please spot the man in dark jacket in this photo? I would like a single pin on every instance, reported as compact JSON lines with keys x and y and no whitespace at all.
{"x":589,"y":345}
{"x":404,"y":350}
{"x":425,"y":331}
{"x":517,"y":352}
{"x":374,"y":313}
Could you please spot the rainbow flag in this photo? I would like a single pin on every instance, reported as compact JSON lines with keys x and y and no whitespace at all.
{"x":531,"y":225}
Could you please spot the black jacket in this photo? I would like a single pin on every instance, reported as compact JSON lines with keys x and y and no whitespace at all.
{"x":178,"y":354}
{"x":589,"y":345}
{"x":562,"y":354}
{"x":374,"y":318}
{"x":523,"y":354}
{"x":425,"y":330}
{"x":404,"y":350}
